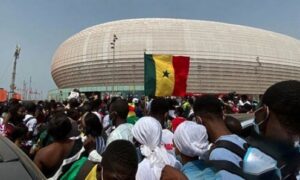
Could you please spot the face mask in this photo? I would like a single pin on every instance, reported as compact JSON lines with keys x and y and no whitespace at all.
{"x":113,"y":118}
{"x":171,"y":113}
{"x":256,"y":125}
{"x":178,"y":157}
{"x":256,"y":163}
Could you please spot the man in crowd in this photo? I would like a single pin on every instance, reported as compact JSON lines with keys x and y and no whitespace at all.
{"x":209,"y":112}
{"x":277,"y":127}
{"x":118,"y":112}
{"x":14,"y":128}
{"x":30,"y":121}
{"x":50,"y":159}
{"x":159,"y":110}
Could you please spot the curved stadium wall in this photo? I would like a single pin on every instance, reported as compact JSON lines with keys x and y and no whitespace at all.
{"x":224,"y":57}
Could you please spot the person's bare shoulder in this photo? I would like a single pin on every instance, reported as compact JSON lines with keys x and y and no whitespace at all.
{"x":47,"y":150}
{"x":46,"y":156}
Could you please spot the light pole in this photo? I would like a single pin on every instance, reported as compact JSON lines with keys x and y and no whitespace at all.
{"x":30,"y":89}
{"x":13,"y":79}
{"x":113,"y":47}
{"x":259,"y":64}
{"x":133,"y":76}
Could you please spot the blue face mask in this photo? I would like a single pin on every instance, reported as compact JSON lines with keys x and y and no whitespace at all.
{"x":256,"y":163}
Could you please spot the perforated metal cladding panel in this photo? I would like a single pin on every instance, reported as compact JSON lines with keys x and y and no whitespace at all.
{"x":224,"y":57}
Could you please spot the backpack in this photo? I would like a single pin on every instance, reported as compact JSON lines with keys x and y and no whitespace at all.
{"x":285,"y":171}
{"x":34,"y":132}
{"x":219,"y":165}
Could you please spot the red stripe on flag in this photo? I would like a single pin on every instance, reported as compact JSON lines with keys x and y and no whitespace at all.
{"x":181,"y":65}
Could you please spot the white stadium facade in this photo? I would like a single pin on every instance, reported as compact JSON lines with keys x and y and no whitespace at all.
{"x":224,"y":57}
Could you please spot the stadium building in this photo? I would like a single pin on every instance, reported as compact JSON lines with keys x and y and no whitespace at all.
{"x":224,"y":57}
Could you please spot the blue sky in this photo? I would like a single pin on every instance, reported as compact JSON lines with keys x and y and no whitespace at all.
{"x":40,"y":26}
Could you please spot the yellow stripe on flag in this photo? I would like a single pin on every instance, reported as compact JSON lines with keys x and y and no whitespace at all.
{"x":92,"y":174}
{"x":165,"y":78}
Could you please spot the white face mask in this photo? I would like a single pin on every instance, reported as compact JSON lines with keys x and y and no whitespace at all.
{"x":256,"y":126}
{"x":171,"y":113}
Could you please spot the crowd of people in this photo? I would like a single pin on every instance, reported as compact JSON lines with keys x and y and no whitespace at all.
{"x":160,"y":138}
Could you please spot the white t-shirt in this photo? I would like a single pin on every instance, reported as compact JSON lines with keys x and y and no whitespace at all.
{"x":1,"y":126}
{"x":144,"y":170}
{"x":152,"y":171}
{"x":241,"y":103}
{"x":123,"y":131}
{"x":31,"y":124}
{"x":105,"y":122}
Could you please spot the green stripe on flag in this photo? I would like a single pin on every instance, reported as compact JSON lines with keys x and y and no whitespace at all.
{"x":149,"y":76}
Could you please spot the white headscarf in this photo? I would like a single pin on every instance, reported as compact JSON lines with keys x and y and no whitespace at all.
{"x":147,"y":131}
{"x":73,"y":94}
{"x":191,"y":139}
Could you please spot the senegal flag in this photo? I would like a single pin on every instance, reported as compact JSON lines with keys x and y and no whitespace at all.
{"x":166,"y":75}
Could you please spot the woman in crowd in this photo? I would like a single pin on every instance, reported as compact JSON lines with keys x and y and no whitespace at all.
{"x":92,"y":128}
{"x":191,"y":143}
{"x":56,"y":158}
{"x":14,"y":129}
{"x":148,"y":132}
